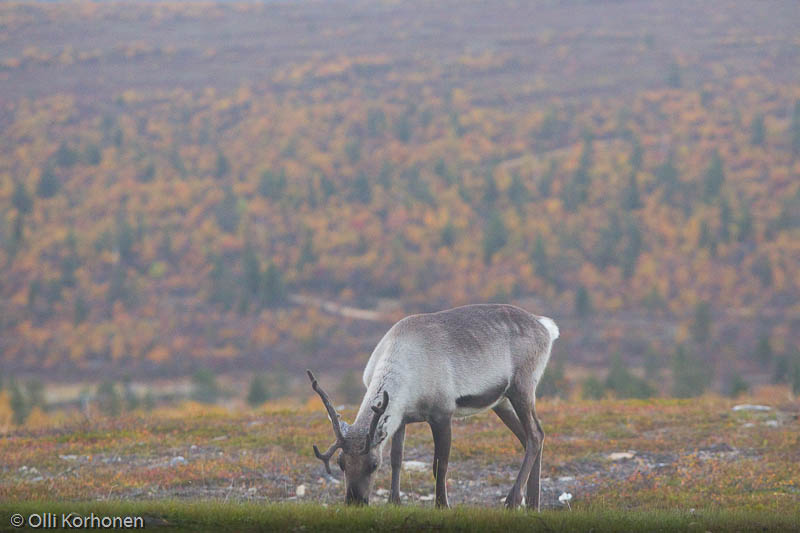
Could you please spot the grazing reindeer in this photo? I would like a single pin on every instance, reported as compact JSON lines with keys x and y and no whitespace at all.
{"x":432,"y":367}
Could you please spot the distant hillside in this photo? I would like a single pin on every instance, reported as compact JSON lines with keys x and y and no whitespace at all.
{"x":154,"y":227}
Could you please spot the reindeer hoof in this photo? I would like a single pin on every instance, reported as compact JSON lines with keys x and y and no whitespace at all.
{"x":513,"y":500}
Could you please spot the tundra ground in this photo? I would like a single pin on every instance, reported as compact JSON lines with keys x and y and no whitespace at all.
{"x":674,"y":457}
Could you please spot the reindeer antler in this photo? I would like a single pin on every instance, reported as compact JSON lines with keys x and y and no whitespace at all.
{"x":337,"y":429}
{"x":378,"y":410}
{"x":332,"y":414}
{"x":326,"y":457}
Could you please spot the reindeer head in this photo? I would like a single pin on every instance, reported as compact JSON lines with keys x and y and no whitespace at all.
{"x":360,"y":455}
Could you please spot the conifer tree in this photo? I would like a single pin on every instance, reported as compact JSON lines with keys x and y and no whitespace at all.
{"x":258,"y":393}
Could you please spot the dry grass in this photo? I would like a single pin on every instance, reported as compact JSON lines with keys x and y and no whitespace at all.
{"x":687,"y":454}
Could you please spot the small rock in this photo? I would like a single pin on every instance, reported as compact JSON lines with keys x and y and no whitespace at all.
{"x":748,"y":425}
{"x":381,"y":492}
{"x":619,"y":456}
{"x":751,"y":407}
{"x":566,"y":479}
{"x":221,"y":437}
{"x":565,"y":498}
{"x":415,"y":466}
{"x":772,"y":423}
{"x":428,"y":498}
{"x":68,"y":457}
{"x":300,"y":491}
{"x":177,"y":460}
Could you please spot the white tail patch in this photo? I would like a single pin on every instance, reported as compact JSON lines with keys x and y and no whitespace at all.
{"x":551,"y":327}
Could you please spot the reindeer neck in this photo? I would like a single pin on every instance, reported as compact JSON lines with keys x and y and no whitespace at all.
{"x":394,"y":412}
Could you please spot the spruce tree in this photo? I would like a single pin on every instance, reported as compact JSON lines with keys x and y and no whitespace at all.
{"x":795,"y":129}
{"x":65,"y":156}
{"x":633,"y":249}
{"x":735,"y":385}
{"x":204,"y":386}
{"x":273,"y":287}
{"x":624,"y":383}
{"x":757,"y":131}
{"x":362,"y":189}
{"x":495,"y":236}
{"x":258,"y":393}
{"x":714,"y":177}
{"x":222,"y":167}
{"x":592,"y":389}
{"x":690,"y":376}
{"x":540,"y":258}
{"x":227,"y":211}
{"x":19,"y":404}
{"x":20,"y":198}
{"x":108,"y":398}
{"x":701,"y":326}
{"x":631,"y":198}
{"x":583,"y":302}
{"x":48,"y":184}
{"x":272,"y":185}
{"x":764,"y":350}
{"x":667,"y":177}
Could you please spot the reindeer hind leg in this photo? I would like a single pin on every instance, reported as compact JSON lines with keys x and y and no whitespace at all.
{"x":533,"y":493}
{"x":521,"y":400}
{"x":509,"y":418}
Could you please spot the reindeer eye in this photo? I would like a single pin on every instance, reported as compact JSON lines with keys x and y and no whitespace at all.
{"x":373,"y":466}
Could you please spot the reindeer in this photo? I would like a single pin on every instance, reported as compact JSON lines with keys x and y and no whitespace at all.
{"x":436,"y":366}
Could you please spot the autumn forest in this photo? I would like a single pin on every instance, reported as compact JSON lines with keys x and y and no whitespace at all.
{"x":265,"y":187}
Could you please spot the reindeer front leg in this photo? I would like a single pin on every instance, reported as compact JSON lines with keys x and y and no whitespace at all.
{"x":441,"y":454}
{"x":397,"y":463}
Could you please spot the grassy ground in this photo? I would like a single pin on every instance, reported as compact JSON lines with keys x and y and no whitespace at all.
{"x":216,"y":516}
{"x":679,"y":463}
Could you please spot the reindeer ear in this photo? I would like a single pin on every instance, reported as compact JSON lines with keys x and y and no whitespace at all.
{"x":382,"y":404}
{"x":377,"y":412}
{"x":380,"y":433}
